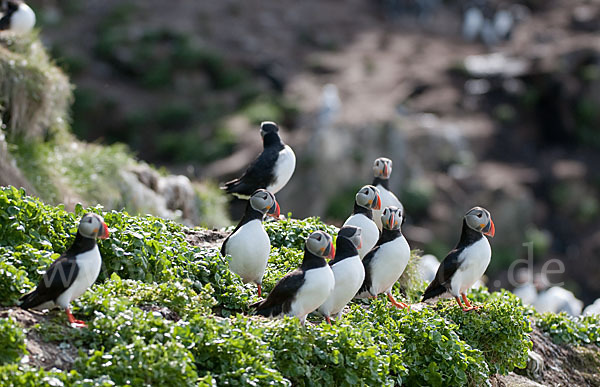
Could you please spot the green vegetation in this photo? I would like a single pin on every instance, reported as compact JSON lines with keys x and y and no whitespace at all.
{"x":12,"y":341}
{"x":499,"y":331}
{"x":165,"y":311}
{"x":571,"y":330}
{"x":14,"y":375}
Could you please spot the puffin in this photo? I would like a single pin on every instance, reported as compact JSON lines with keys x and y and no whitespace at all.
{"x":348,"y":271}
{"x":382,"y":169}
{"x":73,"y":272}
{"x":16,"y":16}
{"x":303,"y":290}
{"x":366,"y":200}
{"x":464,"y":265}
{"x":271,"y":170}
{"x":386,"y":262}
{"x":249,"y":245}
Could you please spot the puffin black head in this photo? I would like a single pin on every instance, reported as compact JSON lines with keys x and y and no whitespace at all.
{"x":368,"y":197}
{"x":479,"y":219}
{"x":264,"y":202}
{"x":268,"y":127}
{"x":320,"y":244}
{"x":382,"y":168}
{"x":92,"y":226}
{"x":392,"y":218}
{"x":353,"y":233}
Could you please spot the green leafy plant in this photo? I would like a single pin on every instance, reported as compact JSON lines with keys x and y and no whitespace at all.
{"x":178,"y":297}
{"x":140,"y":363}
{"x":233,"y":351}
{"x":292,"y":233}
{"x":499,"y":329}
{"x":13,"y":283}
{"x":13,"y":375}
{"x":423,"y":347}
{"x":326,"y":355}
{"x":568,"y":329}
{"x":12,"y":341}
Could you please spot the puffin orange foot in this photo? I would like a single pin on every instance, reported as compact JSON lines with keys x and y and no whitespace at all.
{"x":74,"y":323}
{"x":397,"y":304}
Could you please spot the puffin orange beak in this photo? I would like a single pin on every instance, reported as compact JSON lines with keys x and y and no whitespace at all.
{"x":377,"y":205}
{"x":275,"y":213}
{"x":331,"y":254}
{"x":392,"y":221}
{"x":385,"y":171}
{"x":491,"y":230}
{"x":105,"y":234}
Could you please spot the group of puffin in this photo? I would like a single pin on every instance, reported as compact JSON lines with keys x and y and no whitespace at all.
{"x":366,"y":261}
{"x":370,"y":253}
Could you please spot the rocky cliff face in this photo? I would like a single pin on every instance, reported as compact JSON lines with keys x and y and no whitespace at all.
{"x":39,"y":153}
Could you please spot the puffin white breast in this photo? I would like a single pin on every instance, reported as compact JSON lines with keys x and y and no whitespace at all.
{"x":349,"y":275}
{"x":318,"y":285}
{"x":474,"y":260}
{"x":283,"y":169}
{"x":249,"y":248}
{"x":370,"y":232}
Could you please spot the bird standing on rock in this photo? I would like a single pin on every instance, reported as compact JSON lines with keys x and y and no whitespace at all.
{"x":249,"y":245}
{"x":464,"y":265}
{"x":382,"y":169}
{"x":386,"y":262}
{"x":16,"y":16}
{"x":73,"y":272}
{"x":303,"y":290}
{"x":366,"y":200}
{"x":271,"y":170}
{"x":348,"y":271}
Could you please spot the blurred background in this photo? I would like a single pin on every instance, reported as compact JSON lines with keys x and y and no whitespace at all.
{"x":491,"y":103}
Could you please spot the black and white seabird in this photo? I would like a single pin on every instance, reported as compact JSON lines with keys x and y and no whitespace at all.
{"x":366,"y":200}
{"x":348,"y":271}
{"x":16,"y":16}
{"x":382,"y":169}
{"x":249,"y":245}
{"x":73,"y":272}
{"x":464,"y":265}
{"x":303,"y":290}
{"x":271,"y":170}
{"x":386,"y":262}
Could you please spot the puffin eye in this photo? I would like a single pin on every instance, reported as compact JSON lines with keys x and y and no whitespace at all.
{"x":479,"y":215}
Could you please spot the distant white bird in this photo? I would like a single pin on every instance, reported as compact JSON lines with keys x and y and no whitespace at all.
{"x":330,"y":105}
{"x":472,"y":23}
{"x":428,"y":266}
{"x":592,"y":308}
{"x":557,"y":299}
{"x":527,"y":292}
{"x":504,"y":22}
